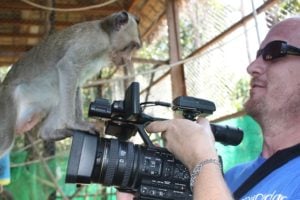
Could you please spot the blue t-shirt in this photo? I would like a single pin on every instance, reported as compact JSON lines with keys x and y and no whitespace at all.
{"x":282,"y":183}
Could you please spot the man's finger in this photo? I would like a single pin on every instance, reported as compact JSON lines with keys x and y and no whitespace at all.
{"x":202,"y":120}
{"x":157,"y":126}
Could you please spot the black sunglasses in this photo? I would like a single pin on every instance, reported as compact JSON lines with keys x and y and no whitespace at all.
{"x":277,"y":49}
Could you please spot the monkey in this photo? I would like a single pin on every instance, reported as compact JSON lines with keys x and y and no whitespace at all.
{"x":42,"y":89}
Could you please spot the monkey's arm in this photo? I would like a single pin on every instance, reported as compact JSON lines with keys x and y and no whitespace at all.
{"x":78,"y":104}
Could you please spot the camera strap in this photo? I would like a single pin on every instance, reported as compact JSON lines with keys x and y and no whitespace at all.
{"x":275,"y":161}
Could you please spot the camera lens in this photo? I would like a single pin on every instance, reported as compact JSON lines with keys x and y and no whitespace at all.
{"x":115,"y":163}
{"x":101,"y":160}
{"x":82,"y":157}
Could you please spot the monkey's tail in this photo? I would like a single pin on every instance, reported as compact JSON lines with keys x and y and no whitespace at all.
{"x":7,"y":121}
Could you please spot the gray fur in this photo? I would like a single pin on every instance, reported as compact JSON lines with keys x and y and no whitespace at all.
{"x":41,"y":88}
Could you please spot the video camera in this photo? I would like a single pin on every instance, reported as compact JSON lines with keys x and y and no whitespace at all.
{"x":148,"y":171}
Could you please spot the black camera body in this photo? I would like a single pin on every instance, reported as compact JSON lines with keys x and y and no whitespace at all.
{"x":148,"y":171}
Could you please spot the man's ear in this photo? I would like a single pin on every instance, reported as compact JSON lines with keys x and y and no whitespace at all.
{"x":120,"y":20}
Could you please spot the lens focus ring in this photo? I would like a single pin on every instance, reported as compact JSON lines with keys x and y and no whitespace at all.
{"x":112,"y":163}
{"x":128,"y":170}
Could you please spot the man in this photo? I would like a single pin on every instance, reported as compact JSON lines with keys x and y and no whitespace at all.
{"x":274,"y":103}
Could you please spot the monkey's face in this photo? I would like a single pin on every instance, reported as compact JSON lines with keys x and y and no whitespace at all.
{"x":125,"y":38}
{"x":123,"y":56}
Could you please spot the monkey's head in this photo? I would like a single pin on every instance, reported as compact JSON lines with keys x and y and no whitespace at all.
{"x":122,"y":27}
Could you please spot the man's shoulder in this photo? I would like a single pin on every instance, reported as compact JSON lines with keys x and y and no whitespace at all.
{"x":284,"y":176}
{"x":249,"y":165}
{"x":282,"y":183}
{"x":238,"y":174}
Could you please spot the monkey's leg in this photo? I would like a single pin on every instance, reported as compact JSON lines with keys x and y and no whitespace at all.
{"x":30,"y":108}
{"x":62,"y":118}
{"x":7,"y":122}
{"x":28,"y":117}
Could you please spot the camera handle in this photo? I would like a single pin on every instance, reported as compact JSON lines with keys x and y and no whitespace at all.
{"x":143,"y":134}
{"x":224,"y":134}
{"x":141,"y":123}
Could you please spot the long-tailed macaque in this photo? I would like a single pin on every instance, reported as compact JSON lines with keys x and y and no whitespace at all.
{"x":42,"y":87}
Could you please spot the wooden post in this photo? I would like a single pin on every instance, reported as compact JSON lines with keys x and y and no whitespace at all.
{"x":177,"y":72}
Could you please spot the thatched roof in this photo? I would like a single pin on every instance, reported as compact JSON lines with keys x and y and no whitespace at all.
{"x":23,"y":25}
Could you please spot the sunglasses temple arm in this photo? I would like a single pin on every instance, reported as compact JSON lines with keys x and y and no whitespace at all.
{"x":293,"y":50}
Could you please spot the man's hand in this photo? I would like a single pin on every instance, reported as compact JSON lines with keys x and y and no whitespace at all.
{"x":189,"y":141}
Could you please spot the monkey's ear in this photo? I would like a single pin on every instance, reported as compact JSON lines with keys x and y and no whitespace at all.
{"x":114,"y":22}
{"x":120,"y":20}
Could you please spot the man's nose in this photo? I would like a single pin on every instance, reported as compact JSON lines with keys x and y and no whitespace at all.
{"x":257,"y":67}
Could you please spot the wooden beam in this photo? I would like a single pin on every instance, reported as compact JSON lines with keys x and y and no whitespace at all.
{"x":232,"y":28}
{"x":6,"y":64}
{"x":19,"y":36}
{"x":18,"y":5}
{"x":6,"y":60}
{"x":41,"y":22}
{"x":177,"y":72}
{"x":262,"y":8}
{"x":6,"y":49}
{"x":10,"y":55}
{"x":127,"y":4}
{"x":235,"y":26}
{"x":230,"y":116}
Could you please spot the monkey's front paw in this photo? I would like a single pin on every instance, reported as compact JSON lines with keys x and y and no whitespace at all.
{"x":55,"y":134}
{"x":65,"y":130}
{"x":83,"y":126}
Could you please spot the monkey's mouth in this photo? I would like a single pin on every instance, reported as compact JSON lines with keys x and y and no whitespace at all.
{"x":121,"y":60}
{"x":123,"y":56}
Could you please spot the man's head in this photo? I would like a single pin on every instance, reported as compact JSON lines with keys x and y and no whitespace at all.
{"x":275,"y":84}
